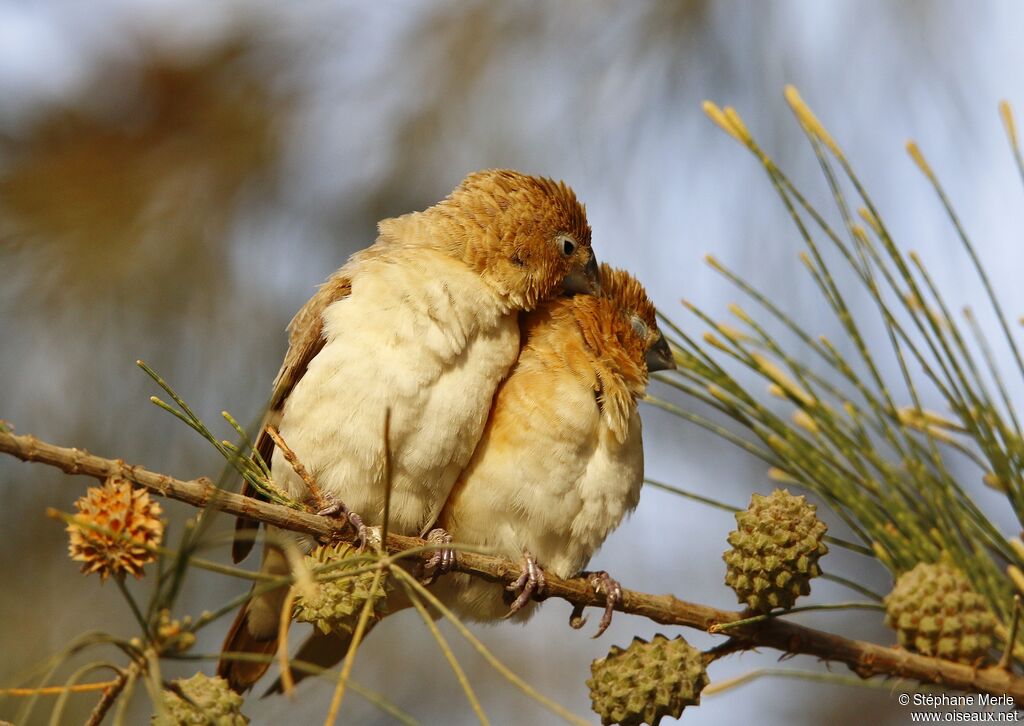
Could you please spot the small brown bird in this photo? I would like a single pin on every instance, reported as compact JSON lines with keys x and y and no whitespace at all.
{"x":560,"y":462}
{"x":420,"y":327}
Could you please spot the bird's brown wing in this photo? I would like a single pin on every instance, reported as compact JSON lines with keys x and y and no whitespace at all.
{"x":305,"y":340}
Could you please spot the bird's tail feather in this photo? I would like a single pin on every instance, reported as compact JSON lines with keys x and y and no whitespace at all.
{"x":242,"y":674}
{"x":254,"y":632}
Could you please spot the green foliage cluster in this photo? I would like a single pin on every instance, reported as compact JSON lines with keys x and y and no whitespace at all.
{"x":864,"y":444}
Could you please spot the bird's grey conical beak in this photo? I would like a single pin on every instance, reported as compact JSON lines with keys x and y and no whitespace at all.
{"x":659,"y":356}
{"x":585,"y":280}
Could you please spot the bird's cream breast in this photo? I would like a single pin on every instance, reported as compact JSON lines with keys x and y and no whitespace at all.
{"x":549,"y":476}
{"x":428,"y":342}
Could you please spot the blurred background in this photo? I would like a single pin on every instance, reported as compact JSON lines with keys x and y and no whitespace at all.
{"x":176,"y":176}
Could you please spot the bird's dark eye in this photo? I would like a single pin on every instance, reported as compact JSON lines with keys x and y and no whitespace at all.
{"x":639,"y":327}
{"x":566,"y":244}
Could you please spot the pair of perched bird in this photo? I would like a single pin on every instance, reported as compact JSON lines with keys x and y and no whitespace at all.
{"x":503,"y":366}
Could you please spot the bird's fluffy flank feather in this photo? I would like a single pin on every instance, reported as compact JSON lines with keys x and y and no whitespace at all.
{"x":561,"y":459}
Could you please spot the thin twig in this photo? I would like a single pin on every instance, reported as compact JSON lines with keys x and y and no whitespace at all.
{"x":385,"y":474}
{"x":757,"y":618}
{"x":834,"y":678}
{"x":111,"y":693}
{"x":298,"y":467}
{"x":287,"y":682}
{"x":57,"y":690}
{"x":350,"y":656}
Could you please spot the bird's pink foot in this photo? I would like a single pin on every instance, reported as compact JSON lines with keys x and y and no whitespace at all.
{"x":362,"y":531}
{"x":334,"y":507}
{"x":443,"y":559}
{"x":603,"y":584}
{"x":529,"y":584}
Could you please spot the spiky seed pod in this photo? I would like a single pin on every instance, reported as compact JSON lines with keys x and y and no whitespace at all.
{"x":935,"y":611}
{"x":336,"y":603}
{"x":131,"y":523}
{"x":213,"y":703}
{"x":775,"y":551}
{"x":646,"y":681}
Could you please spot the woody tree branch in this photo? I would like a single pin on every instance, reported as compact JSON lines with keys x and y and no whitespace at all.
{"x":863,"y":658}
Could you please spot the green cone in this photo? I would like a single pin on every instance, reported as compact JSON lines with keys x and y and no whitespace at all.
{"x":646,"y":681}
{"x":340,"y":600}
{"x":775,"y":550}
{"x":213,"y":704}
{"x":935,"y":611}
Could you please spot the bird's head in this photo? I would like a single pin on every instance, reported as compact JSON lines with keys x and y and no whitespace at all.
{"x":528,"y":237}
{"x":620,"y":329}
{"x":638,"y":325}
